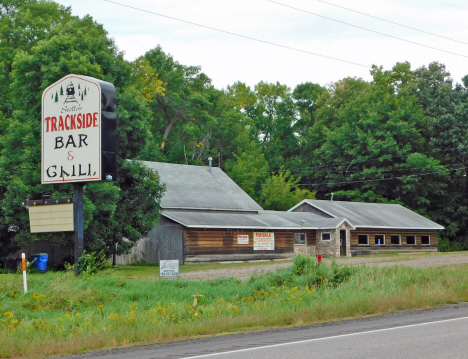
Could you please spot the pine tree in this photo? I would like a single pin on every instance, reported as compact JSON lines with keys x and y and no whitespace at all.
{"x":56,"y":96}
{"x":61,"y":90}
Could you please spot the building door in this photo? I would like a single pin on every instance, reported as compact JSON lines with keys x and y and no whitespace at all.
{"x":343,"y":242}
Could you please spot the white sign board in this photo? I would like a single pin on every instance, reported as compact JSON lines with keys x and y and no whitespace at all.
{"x":54,"y":218}
{"x":243,"y":239}
{"x":71,"y":130}
{"x":264,"y":241}
{"x":169,"y":268}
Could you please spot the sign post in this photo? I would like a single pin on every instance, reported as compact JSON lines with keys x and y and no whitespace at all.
{"x":25,"y":280}
{"x":79,"y":138}
{"x":78,"y":220}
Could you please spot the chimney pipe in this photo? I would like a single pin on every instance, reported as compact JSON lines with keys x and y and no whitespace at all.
{"x":331,"y":199}
{"x":210,"y":159}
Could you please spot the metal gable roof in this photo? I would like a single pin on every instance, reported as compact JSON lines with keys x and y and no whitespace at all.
{"x":260,"y":220}
{"x":373,"y":215}
{"x":196,"y":187}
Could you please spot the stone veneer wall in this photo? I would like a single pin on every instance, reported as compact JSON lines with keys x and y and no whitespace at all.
{"x":304,"y":249}
{"x":329,"y":248}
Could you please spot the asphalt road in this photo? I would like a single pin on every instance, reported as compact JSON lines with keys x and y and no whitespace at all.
{"x":436,"y":333}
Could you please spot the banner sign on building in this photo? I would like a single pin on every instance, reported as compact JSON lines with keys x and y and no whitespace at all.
{"x":264,"y":241}
{"x":243,"y":239}
{"x":78,"y":119}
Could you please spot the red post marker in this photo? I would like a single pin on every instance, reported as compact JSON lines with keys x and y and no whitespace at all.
{"x":25,"y":282}
{"x":319,"y":258}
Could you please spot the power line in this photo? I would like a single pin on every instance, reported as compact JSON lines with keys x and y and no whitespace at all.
{"x":311,"y":169}
{"x":399,"y":169}
{"x":375,"y":159}
{"x":362,"y":181}
{"x":444,"y":2}
{"x":362,"y":173}
{"x":242,"y":36}
{"x":381,"y":179}
{"x":392,"y":22}
{"x":363,"y":28}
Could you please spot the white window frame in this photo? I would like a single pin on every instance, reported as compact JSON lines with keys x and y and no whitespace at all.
{"x":428,"y":244}
{"x":325,"y":240}
{"x":300,"y":244}
{"x":361,"y":244}
{"x":382,"y":244}
{"x":407,"y":240}
{"x":399,"y":239}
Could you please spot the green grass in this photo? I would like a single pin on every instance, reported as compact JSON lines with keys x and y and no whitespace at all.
{"x":151,"y":271}
{"x":63,"y":314}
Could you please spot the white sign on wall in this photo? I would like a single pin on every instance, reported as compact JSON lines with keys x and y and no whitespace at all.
{"x":71,"y":130}
{"x":243,"y":239}
{"x":264,"y":241}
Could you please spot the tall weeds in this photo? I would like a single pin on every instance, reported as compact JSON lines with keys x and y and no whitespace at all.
{"x":64,"y":314}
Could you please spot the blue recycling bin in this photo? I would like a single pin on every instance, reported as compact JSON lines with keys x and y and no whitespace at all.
{"x":40,"y":261}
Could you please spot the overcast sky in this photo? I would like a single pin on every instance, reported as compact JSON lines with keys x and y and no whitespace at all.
{"x":227,"y":58}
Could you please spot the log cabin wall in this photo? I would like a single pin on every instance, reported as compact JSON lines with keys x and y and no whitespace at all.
{"x":224,"y":241}
{"x":388,"y":233}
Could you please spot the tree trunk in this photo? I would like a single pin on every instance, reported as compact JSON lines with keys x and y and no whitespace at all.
{"x":169,"y":125}
{"x":114,"y":252}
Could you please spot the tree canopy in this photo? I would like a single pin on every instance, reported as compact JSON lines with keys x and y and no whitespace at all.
{"x":398,"y":138}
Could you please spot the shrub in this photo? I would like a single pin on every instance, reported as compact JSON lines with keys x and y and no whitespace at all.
{"x":305,"y":272}
{"x":443,"y":245}
{"x":91,"y":263}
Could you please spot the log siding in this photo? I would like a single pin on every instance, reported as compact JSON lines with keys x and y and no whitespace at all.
{"x":224,"y":241}
{"x":372,"y":232}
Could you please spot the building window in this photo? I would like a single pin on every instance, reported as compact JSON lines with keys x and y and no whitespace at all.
{"x":299,"y":238}
{"x":410,"y":240}
{"x":363,"y":239}
{"x":426,"y":240}
{"x":379,"y":239}
{"x":395,"y":239}
{"x":326,"y":236}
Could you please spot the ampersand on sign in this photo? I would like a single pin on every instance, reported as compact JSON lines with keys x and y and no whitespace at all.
{"x":70,"y":156}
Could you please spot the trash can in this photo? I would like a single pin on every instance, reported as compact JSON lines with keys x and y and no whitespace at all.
{"x":40,"y":261}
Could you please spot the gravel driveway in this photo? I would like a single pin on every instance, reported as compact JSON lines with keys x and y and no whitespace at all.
{"x":412,"y":260}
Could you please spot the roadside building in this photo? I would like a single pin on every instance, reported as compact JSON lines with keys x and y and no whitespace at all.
{"x":379,"y":227}
{"x":206,"y":216}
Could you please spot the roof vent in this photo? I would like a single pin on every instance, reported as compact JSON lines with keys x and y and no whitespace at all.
{"x":331,"y":199}
{"x":210,"y":159}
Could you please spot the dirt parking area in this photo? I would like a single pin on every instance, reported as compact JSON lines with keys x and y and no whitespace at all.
{"x":412,"y":260}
